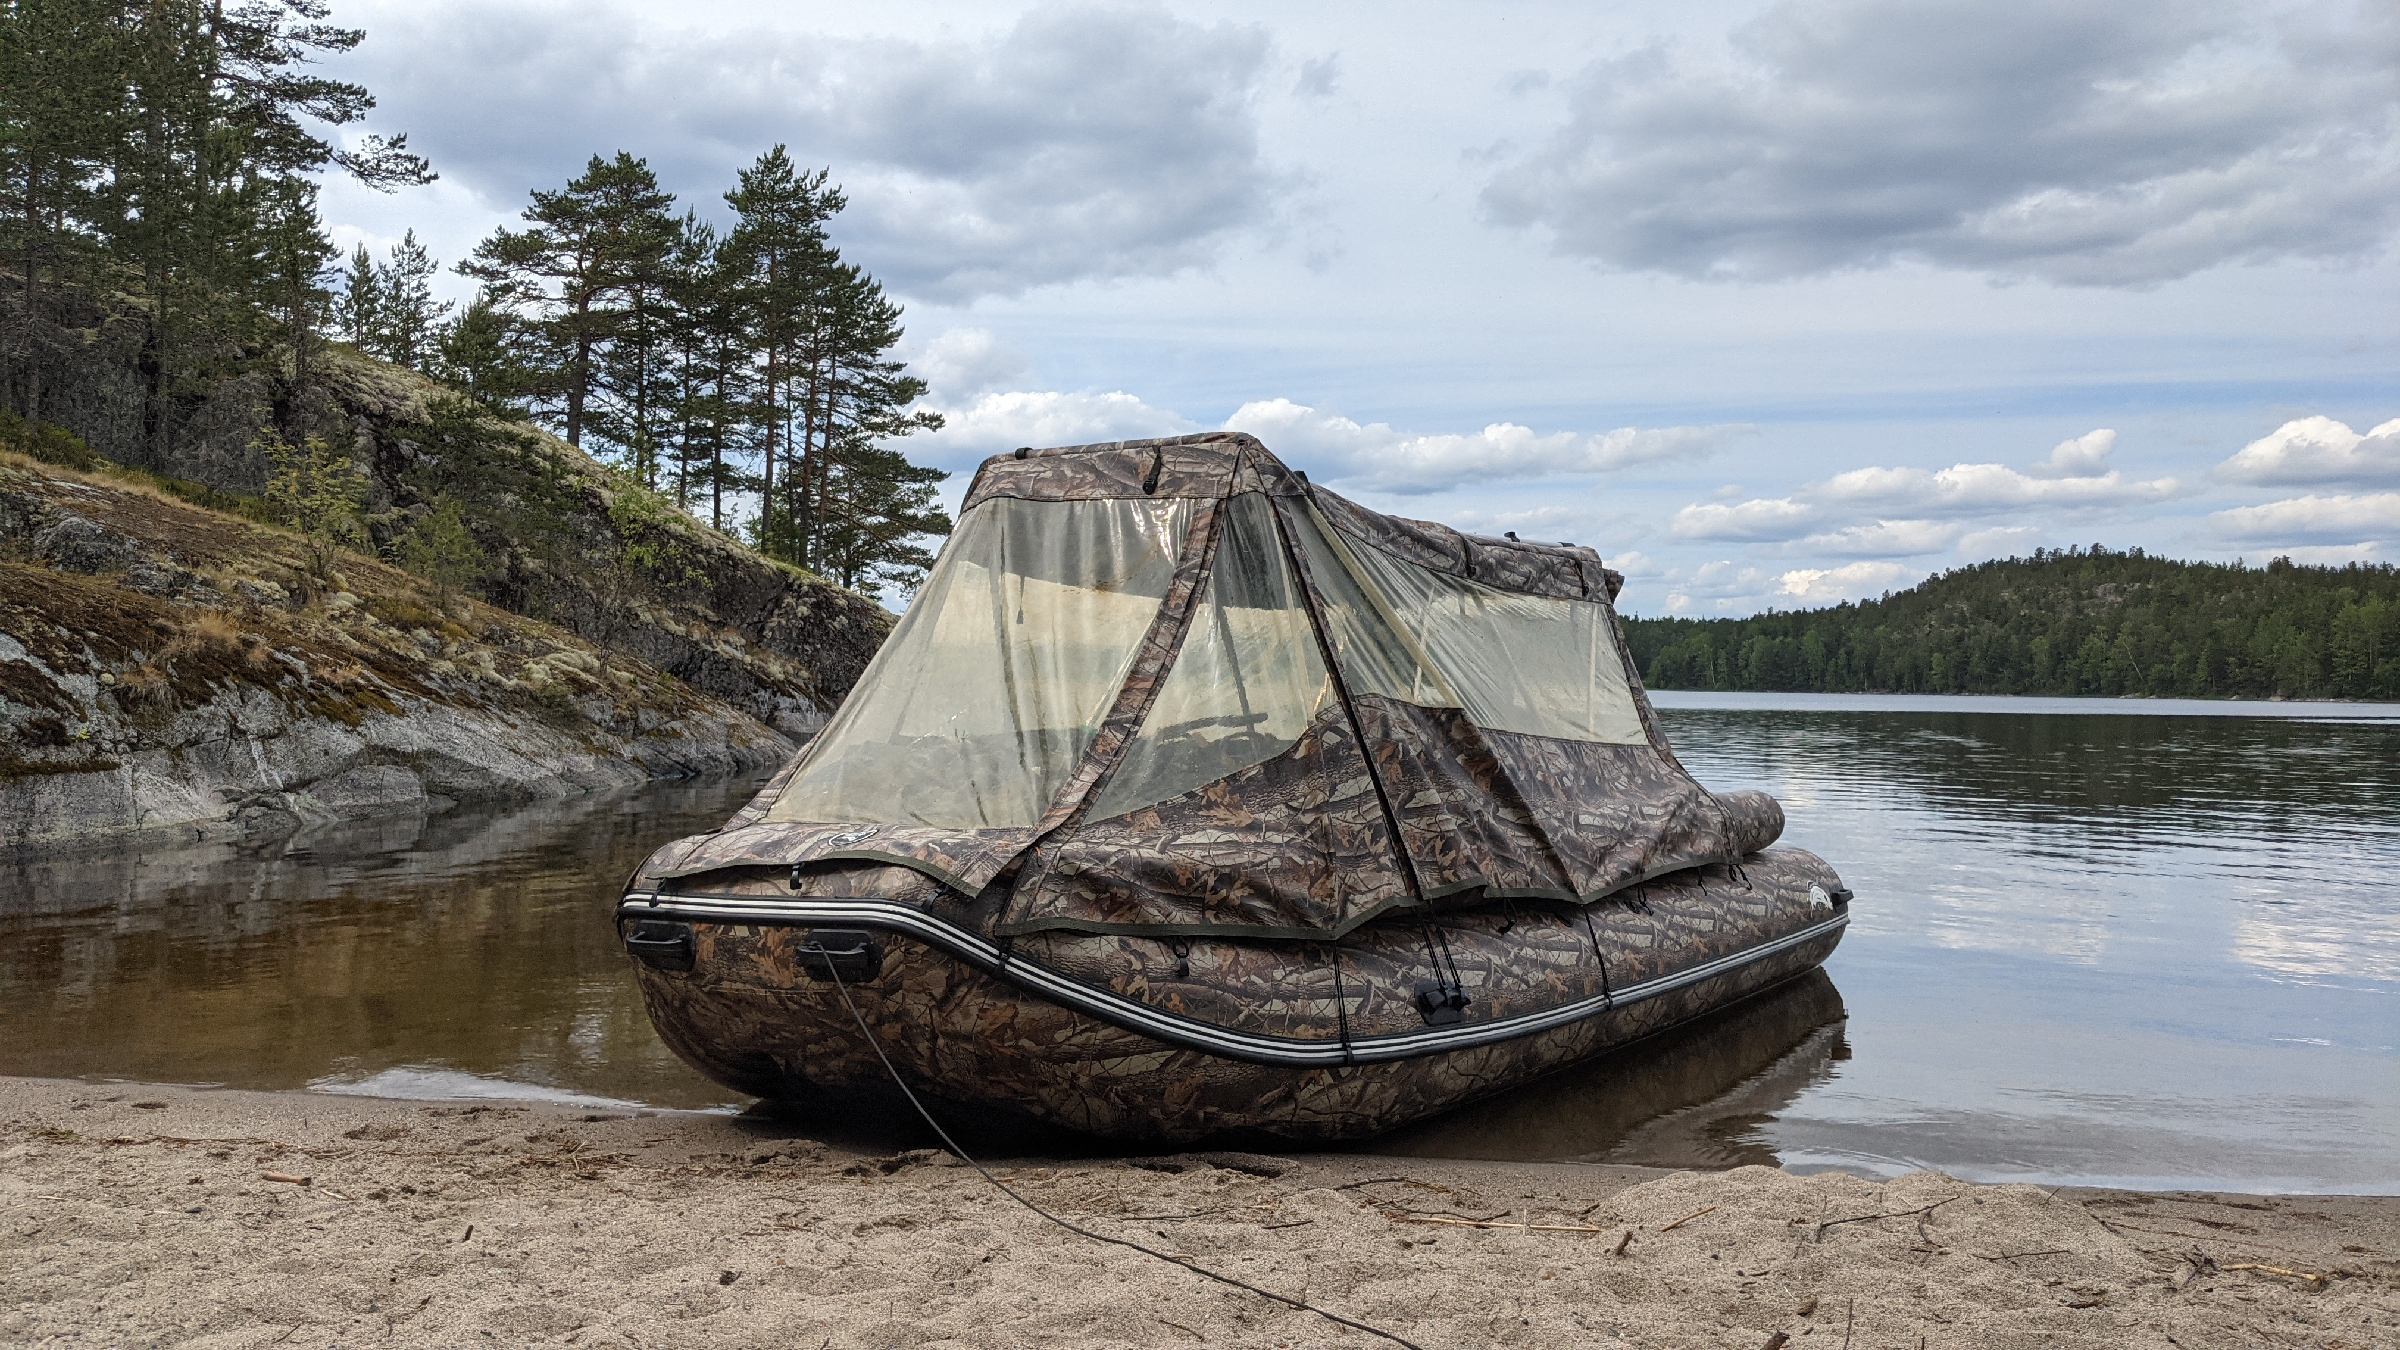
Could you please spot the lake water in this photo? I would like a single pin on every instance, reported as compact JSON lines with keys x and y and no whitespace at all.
{"x":2134,"y":943}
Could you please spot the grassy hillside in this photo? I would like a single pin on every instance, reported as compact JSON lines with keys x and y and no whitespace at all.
{"x":2064,"y":623}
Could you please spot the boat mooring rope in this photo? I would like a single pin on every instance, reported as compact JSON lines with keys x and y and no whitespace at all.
{"x":1003,"y":1187}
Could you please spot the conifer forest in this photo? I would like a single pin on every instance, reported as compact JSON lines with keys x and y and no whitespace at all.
{"x":2063,"y":622}
{"x":160,"y":244}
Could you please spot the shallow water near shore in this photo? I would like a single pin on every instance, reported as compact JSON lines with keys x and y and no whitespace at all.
{"x":2113,"y":943}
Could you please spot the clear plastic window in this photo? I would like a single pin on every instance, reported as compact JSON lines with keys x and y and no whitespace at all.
{"x":1522,"y":663}
{"x":991,"y":687}
{"x":1246,"y":684}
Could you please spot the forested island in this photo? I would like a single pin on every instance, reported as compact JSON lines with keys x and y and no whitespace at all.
{"x":2077,"y":621}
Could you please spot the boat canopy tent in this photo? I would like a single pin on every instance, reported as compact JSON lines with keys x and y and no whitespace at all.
{"x":1170,"y":687}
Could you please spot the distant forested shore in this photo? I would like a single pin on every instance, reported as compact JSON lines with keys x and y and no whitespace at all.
{"x":2063,"y":622}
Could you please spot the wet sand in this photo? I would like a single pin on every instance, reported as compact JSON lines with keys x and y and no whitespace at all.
{"x":140,"y":1216}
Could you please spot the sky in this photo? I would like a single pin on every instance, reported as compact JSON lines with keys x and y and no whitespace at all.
{"x":1775,"y":305}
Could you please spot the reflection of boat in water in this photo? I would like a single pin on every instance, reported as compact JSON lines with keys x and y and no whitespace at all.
{"x":1687,"y":1097}
{"x":1189,"y":797}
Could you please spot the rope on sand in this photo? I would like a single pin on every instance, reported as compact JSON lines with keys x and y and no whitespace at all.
{"x":1192,"y":1266}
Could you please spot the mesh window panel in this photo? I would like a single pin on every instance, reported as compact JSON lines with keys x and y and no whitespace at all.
{"x":1246,"y":683}
{"x":1368,"y":637}
{"x":989,"y":690}
{"x":1522,"y":663}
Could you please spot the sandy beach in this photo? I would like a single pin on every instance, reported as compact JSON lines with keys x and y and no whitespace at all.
{"x":142,"y":1216}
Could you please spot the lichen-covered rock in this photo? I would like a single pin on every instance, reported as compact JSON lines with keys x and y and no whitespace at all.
{"x":190,"y":686}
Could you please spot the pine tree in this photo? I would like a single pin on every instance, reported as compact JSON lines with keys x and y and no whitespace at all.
{"x":778,"y":263}
{"x":709,"y":369}
{"x":62,"y":114}
{"x":409,"y":320}
{"x":476,"y":354}
{"x":358,"y":305}
{"x":567,"y":278}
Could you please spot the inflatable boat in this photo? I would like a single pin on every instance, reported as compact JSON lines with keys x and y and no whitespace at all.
{"x":1190,"y":797}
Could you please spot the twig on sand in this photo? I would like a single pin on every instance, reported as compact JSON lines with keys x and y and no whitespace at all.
{"x":1869,"y":1218}
{"x":2317,"y":1280}
{"x":2011,"y":1256}
{"x":287,"y":1178}
{"x":1185,"y":1330}
{"x":1520,"y":1226}
{"x":2169,"y":1232}
{"x":1777,"y":1341}
{"x":1623,"y":1243}
{"x":1704,"y":1209}
{"x":1849,"y":1317}
{"x":1370,"y":1181}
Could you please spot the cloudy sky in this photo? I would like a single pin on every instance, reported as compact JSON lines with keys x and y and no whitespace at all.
{"x":1774,"y":304}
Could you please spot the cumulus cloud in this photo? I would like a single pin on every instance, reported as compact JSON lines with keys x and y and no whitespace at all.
{"x":2313,"y":450}
{"x":2084,"y":144}
{"x":1079,"y":143}
{"x":1332,"y":448}
{"x":1885,"y":539}
{"x":964,"y":361}
{"x":2313,"y":520}
{"x":1727,"y":587}
{"x":1825,"y":516}
{"x":1855,"y":581}
{"x":993,"y":422}
{"x":1766,"y":518}
{"x":1374,"y":457}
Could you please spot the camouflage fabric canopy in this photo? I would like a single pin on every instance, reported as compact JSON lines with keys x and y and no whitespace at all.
{"x":1169,"y":687}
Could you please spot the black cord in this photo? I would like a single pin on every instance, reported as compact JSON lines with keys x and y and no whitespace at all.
{"x":1341,"y":1002}
{"x":1608,"y":999}
{"x":1284,"y":1299}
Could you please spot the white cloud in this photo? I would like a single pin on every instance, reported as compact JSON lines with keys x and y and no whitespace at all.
{"x":1376,"y":458}
{"x":2079,"y":457}
{"x":1885,"y":539}
{"x":1996,"y":541}
{"x":2084,"y":144}
{"x":2075,"y":476}
{"x":1720,"y":586}
{"x":1759,"y":518}
{"x":964,"y":361}
{"x":1854,"y":581}
{"x":994,"y":422}
{"x":2314,"y":450}
{"x":2312,"y":519}
{"x":1333,"y":449}
{"x":1078,"y":143}
{"x":1972,"y":489}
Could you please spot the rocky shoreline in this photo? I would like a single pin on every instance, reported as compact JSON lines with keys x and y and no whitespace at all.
{"x":168,"y":668}
{"x":149,"y":1216}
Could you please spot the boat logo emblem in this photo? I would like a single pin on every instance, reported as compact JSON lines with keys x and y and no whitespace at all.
{"x":860,"y":835}
{"x":1818,"y":899}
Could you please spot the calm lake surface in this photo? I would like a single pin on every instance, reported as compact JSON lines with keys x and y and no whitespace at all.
{"x":2133,"y":943}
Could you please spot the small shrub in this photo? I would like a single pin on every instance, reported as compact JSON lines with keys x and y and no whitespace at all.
{"x":49,"y":444}
{"x":316,"y":492}
{"x":441,"y":550}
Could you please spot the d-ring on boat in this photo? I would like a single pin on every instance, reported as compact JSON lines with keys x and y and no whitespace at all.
{"x":1189,"y":796}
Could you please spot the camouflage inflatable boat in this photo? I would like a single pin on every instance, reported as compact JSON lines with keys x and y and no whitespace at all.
{"x":1190,"y":797}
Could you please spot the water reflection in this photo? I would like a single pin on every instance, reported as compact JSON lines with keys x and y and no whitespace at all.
{"x":473,"y":943}
{"x":2151,"y":949}
{"x":1691,"y":1097}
